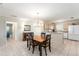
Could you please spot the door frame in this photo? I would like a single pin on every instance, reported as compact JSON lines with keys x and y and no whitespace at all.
{"x":14,"y":28}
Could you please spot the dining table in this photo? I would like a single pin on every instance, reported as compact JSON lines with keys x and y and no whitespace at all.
{"x":40,"y":40}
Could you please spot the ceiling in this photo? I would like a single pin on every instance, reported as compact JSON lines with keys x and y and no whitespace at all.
{"x":45,"y":11}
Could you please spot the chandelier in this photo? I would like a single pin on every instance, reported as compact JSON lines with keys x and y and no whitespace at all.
{"x":38,"y":21}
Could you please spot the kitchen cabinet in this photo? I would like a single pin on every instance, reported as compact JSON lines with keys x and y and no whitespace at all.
{"x":73,"y":32}
{"x":65,"y":35}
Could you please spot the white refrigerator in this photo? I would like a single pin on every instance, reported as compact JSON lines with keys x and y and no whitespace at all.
{"x":73,"y":32}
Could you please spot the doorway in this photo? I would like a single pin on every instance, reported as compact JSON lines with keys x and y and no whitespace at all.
{"x":11,"y":30}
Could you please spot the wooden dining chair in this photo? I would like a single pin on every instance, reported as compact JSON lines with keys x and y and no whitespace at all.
{"x":24,"y":36}
{"x":47,"y":43}
{"x":27,"y":39}
{"x":31,"y":38}
{"x":43,"y":35}
{"x":35,"y":43}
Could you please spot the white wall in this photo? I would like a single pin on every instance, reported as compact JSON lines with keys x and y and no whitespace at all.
{"x":2,"y":31}
{"x":35,"y":27}
{"x":14,"y":29}
{"x":59,"y":26}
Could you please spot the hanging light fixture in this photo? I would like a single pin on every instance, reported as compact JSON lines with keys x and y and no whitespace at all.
{"x":39,"y":22}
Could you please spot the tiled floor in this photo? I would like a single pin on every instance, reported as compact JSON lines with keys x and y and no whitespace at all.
{"x":19,"y":48}
{"x":71,"y":48}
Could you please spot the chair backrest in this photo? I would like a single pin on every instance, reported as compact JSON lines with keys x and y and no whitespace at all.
{"x":31,"y":35}
{"x":27,"y":36}
{"x":43,"y":35}
{"x":48,"y":38}
{"x":24,"y":37}
{"x":47,"y":41}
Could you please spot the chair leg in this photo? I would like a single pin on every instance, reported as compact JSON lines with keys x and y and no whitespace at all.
{"x":29,"y":47}
{"x":50,"y":48}
{"x":27,"y":43}
{"x":45,"y":51}
{"x":33,"y":47}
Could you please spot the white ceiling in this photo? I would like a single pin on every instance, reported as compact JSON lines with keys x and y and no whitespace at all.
{"x":47,"y":11}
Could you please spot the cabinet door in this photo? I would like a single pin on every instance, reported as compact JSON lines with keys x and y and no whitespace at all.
{"x":65,"y":35}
